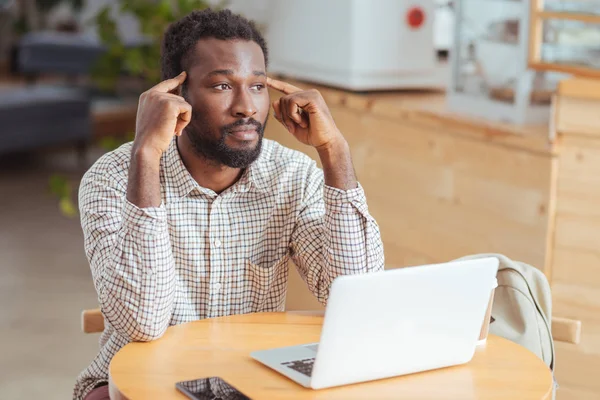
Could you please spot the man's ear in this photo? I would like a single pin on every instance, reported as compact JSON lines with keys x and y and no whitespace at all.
{"x":182,"y":90}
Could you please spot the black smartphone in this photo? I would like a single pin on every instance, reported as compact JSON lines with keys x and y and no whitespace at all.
{"x":213,"y":388}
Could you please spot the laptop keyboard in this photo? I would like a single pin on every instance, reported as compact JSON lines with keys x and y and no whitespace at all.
{"x":303,"y":366}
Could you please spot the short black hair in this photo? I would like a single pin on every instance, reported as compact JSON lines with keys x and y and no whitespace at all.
{"x":181,"y":36}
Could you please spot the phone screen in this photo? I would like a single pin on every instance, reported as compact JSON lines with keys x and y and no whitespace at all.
{"x":213,"y":388}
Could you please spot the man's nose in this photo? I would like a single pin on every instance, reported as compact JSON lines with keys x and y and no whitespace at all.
{"x":243,"y":105}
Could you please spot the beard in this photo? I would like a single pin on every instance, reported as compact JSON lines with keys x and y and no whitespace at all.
{"x":216,"y":150}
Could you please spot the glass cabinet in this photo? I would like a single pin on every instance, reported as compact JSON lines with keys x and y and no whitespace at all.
{"x":565,"y":36}
{"x":490,"y":74}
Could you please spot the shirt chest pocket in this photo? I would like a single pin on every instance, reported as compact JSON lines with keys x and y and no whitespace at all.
{"x":265,"y":285}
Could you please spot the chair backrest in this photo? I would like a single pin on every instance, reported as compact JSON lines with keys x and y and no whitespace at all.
{"x":566,"y":330}
{"x":92,"y":321}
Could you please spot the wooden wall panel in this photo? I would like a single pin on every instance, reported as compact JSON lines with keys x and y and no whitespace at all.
{"x":576,"y":250}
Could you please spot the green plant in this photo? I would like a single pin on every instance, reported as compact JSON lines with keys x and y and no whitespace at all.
{"x":60,"y":187}
{"x":140,"y":61}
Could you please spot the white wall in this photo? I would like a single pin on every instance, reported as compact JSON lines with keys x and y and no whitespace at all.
{"x":257,"y":10}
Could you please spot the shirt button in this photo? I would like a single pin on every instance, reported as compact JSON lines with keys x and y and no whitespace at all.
{"x":217,"y":243}
{"x":217,"y":287}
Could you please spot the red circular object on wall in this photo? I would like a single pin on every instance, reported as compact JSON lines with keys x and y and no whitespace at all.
{"x":415,"y":17}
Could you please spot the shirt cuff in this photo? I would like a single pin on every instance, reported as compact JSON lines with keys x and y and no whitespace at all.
{"x":345,"y":201}
{"x":144,"y":221}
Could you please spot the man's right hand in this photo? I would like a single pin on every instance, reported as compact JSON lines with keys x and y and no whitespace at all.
{"x":161,"y":114}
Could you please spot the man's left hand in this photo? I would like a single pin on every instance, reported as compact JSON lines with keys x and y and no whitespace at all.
{"x":305,"y":115}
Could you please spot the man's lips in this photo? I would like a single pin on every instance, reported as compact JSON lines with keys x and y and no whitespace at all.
{"x":246,"y":132}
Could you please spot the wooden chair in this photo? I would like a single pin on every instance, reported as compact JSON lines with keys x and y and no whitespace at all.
{"x":563,"y":329}
{"x":92,"y":321}
{"x":566,"y":330}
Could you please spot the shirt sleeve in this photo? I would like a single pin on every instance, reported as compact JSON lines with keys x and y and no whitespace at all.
{"x":130,"y":257}
{"x":334,"y":235}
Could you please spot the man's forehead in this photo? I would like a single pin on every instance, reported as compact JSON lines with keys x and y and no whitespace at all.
{"x":214,"y":54}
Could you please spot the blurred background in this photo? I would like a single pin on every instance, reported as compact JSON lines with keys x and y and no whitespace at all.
{"x":473,"y":126}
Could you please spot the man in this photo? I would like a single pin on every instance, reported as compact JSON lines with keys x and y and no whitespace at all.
{"x":199,"y":216}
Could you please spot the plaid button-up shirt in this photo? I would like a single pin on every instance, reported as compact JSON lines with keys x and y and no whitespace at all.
{"x":201,"y":254}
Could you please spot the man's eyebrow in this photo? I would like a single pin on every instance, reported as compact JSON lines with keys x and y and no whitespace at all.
{"x":220,"y":72}
{"x":230,"y":72}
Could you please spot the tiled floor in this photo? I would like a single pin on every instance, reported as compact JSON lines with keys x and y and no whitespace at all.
{"x":44,"y":282}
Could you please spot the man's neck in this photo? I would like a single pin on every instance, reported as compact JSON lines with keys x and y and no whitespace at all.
{"x":207,"y":173}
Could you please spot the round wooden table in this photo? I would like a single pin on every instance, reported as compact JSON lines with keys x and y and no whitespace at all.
{"x":221,"y":346}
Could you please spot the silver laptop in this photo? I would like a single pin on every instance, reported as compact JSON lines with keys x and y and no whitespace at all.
{"x":393,"y":323}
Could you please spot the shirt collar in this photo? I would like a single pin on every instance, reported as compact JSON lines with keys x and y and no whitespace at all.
{"x":178,"y":182}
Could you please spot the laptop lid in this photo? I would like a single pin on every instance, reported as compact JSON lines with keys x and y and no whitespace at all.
{"x":402,"y":321}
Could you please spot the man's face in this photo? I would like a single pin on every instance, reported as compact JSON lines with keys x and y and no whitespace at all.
{"x":227,"y":89}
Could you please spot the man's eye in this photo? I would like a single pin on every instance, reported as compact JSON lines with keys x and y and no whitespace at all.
{"x":258,"y":87}
{"x":222,"y":86}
